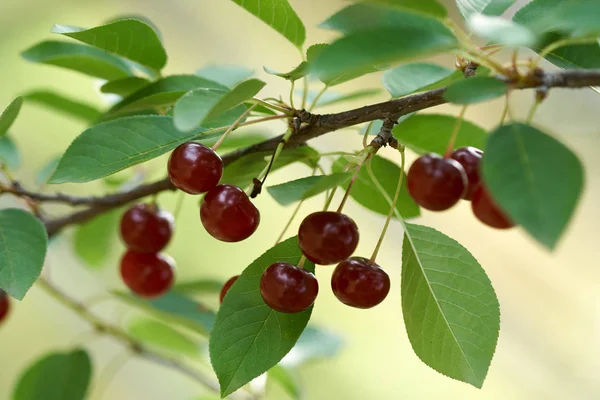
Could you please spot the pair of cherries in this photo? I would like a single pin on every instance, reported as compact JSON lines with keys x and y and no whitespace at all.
{"x":146,"y":230}
{"x":437,"y":184}
{"x":4,"y":305}
{"x":226,"y":211}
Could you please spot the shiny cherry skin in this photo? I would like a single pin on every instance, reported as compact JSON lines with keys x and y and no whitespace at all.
{"x":148,"y":275}
{"x":195,"y":168}
{"x":487,"y":210}
{"x":359,"y":283}
{"x":4,"y":305}
{"x":436,"y":183}
{"x":287,"y":288}
{"x":470,"y":159}
{"x":146,"y":229}
{"x":327,"y":237}
{"x":228,"y":214}
{"x":227,"y":286}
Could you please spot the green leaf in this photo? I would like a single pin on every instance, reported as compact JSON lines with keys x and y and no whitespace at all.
{"x":46,"y":171}
{"x":58,"y":102}
{"x":475,"y":90}
{"x":315,"y":50}
{"x":158,"y":334}
{"x":410,"y":78}
{"x":304,"y":188}
{"x":430,"y":133}
{"x":201,"y":105}
{"x":93,"y":240}
{"x":336,"y":98}
{"x":501,"y":31}
{"x":115,"y":145}
{"x":23,"y":245}
{"x":78,"y":57}
{"x":314,"y":344}
{"x":365,"y":191}
{"x":575,"y":18}
{"x":9,"y":153}
{"x":174,"y":309}
{"x":249,"y":337}
{"x":576,"y":56}
{"x":226,"y":75}
{"x":297,"y":73}
{"x":288,"y":381}
{"x":9,"y":115}
{"x":279,"y":15}
{"x":468,"y":8}
{"x":57,"y":376}
{"x":128,"y":38}
{"x":236,"y":141}
{"x":523,"y":167}
{"x":450,"y":310}
{"x":125,"y":87}
{"x":201,"y":286}
{"x":428,"y":7}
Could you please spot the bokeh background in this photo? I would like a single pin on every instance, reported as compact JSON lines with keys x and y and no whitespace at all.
{"x":549,"y":345}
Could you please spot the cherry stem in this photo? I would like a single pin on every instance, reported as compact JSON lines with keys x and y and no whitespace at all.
{"x":505,"y":110}
{"x":533,"y":109}
{"x":455,"y":132}
{"x":305,"y":92}
{"x":258,"y":184}
{"x":271,"y":106}
{"x":233,"y":126}
{"x":301,"y":262}
{"x":343,"y":202}
{"x":392,"y":205}
{"x":317,"y":98}
{"x":179,"y":205}
{"x":292,"y":94}
{"x":366,"y":135}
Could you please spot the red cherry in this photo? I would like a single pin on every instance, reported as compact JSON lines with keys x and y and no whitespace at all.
{"x":287,"y":288}
{"x":228,"y":214}
{"x":436,"y":183}
{"x":469,"y":158}
{"x":487,"y":210}
{"x":146,"y":229}
{"x":359,"y":283}
{"x":227,"y":286}
{"x":195,"y":168}
{"x":327,"y":237}
{"x":4,"y":305}
{"x":146,"y":274}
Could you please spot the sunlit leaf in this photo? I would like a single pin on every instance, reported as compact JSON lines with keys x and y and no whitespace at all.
{"x":409,"y":78}
{"x":9,"y":115}
{"x":124,"y":87}
{"x":158,"y":334}
{"x":9,"y":153}
{"x":226,"y":75}
{"x":93,"y":240}
{"x":304,"y":188}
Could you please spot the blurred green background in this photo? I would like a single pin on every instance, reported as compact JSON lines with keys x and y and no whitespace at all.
{"x":549,"y":345}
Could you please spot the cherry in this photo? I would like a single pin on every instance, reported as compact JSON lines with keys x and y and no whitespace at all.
{"x":4,"y":305}
{"x":487,"y":211}
{"x":469,"y":158}
{"x":146,"y":274}
{"x":327,"y":237}
{"x":436,"y":183}
{"x":228,"y":214}
{"x":195,"y":168}
{"x":146,"y":229}
{"x":227,"y":286}
{"x":287,"y":288}
{"x":359,"y":283}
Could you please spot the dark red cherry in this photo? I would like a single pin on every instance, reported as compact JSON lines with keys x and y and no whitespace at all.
{"x":436,"y":183}
{"x":327,"y":237}
{"x":487,"y":210}
{"x":470,"y":159}
{"x":4,"y":305}
{"x":146,"y":274}
{"x":195,"y":168}
{"x":227,"y":286}
{"x":228,"y":214}
{"x":146,"y":229}
{"x":287,"y":288}
{"x":359,"y":283}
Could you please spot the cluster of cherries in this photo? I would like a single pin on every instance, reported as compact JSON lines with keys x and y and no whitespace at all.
{"x":4,"y":305}
{"x":438,"y":183}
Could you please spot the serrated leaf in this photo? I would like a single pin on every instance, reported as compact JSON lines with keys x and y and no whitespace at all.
{"x":113,"y":146}
{"x":410,"y":78}
{"x":450,"y":310}
{"x":468,"y":8}
{"x":57,"y":102}
{"x":288,"y":381}
{"x":365,"y":192}
{"x":337,"y":98}
{"x":93,"y":240}
{"x":279,"y":15}
{"x":475,"y":90}
{"x":430,"y":133}
{"x":9,"y":153}
{"x":199,"y":287}
{"x":174,"y":309}
{"x":125,"y":87}
{"x":78,"y":57}
{"x":9,"y":115}
{"x":57,"y":376}
{"x":314,"y":344}
{"x":226,"y":75}
{"x":249,"y":337}
{"x":46,"y":171}
{"x":23,"y":245}
{"x":201,"y":105}
{"x":522,"y":168}
{"x":428,"y":7}
{"x":304,"y":188}
{"x":315,"y":50}
{"x":297,"y":73}
{"x":129,"y":38}
{"x":576,"y":56}
{"x":499,"y":30}
{"x":158,"y":334}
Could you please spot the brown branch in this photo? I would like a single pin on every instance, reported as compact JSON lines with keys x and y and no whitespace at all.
{"x":314,"y":126}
